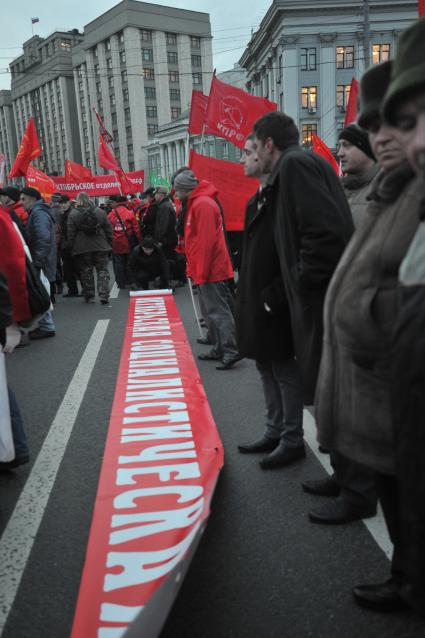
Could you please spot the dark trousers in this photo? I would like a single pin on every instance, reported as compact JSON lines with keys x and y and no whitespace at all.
{"x":143,"y":277}
{"x":386,"y":486}
{"x":357,"y":483}
{"x":120,"y":264}
{"x":70,"y":272}
{"x":18,"y":432}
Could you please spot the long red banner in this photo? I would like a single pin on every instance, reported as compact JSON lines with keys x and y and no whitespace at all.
{"x":98,"y":185}
{"x":161,"y":463}
{"x":234,"y":189}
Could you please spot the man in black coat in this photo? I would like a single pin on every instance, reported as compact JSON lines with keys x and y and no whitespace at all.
{"x":264,"y":329}
{"x":312,"y":226}
{"x":147,"y":262}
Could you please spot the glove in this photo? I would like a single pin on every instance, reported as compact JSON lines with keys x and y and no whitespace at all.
{"x":13,"y":338}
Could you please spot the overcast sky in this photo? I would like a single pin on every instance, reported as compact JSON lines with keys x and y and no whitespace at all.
{"x":231,"y":24}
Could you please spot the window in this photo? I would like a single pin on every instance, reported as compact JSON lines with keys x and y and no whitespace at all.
{"x":225,"y":151}
{"x":196,"y":60}
{"x":175,"y":112}
{"x":342,"y":96}
{"x":150,"y":92}
{"x":380,"y":53}
{"x":172,"y":57}
{"x":100,"y":104}
{"x":124,"y":77}
{"x":171,"y":38}
{"x":151,"y":111}
{"x":108,"y":45}
{"x":113,"y":118}
{"x":113,"y":101}
{"x":80,"y":86}
{"x":80,"y":72}
{"x":307,"y":132}
{"x":173,"y":76}
{"x":98,"y":87}
{"x":127,"y":113}
{"x":175,"y":95}
{"x":84,"y":117}
{"x":195,"y":42}
{"x":96,"y":69}
{"x":148,"y":74}
{"x":308,"y":59}
{"x":152,"y":129}
{"x":125,"y":95}
{"x":146,"y":35}
{"x":111,"y":82}
{"x":128,"y":131}
{"x":122,"y":56}
{"x":109,"y":63}
{"x":147,"y":55}
{"x":130,"y":149}
{"x":66,"y":45}
{"x":131,"y":166}
{"x":345,"y":57}
{"x":121,"y":38}
{"x":197,"y":78}
{"x":309,"y":98}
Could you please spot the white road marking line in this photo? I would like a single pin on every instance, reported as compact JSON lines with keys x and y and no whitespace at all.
{"x":115,"y":291}
{"x":20,"y":533}
{"x":375,"y":525}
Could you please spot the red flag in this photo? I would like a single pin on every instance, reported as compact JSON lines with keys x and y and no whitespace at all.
{"x":421,"y":7}
{"x":319,"y":147}
{"x":234,"y":189}
{"x":107,"y":159}
{"x":39,"y":180}
{"x":29,"y":149}
{"x":76,"y":172}
{"x":127,"y":185}
{"x":231,"y":112}
{"x":351,"y":113}
{"x":198,"y":110}
{"x":102,"y":130}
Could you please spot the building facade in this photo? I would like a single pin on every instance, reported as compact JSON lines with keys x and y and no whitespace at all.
{"x":137,"y":66}
{"x":42,"y":86}
{"x":306,"y":52}
{"x":8,"y":144}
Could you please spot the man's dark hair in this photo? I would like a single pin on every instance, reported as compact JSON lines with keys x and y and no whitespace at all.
{"x":280,"y":127}
{"x":250,"y":137}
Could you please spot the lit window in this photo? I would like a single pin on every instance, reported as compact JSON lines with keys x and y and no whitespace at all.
{"x":175,"y":112}
{"x":345,"y":57}
{"x":342,"y":95}
{"x":148,"y":74}
{"x":307,"y":132}
{"x":122,"y":56}
{"x":380,"y":53}
{"x":173,"y":76}
{"x":309,"y":98}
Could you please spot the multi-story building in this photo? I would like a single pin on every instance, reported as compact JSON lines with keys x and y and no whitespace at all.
{"x":306,"y":52}
{"x":43,"y":87}
{"x":8,"y":145}
{"x":168,"y":151}
{"x":137,"y":66}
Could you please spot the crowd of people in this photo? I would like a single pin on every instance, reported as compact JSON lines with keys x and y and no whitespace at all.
{"x":329,"y":303}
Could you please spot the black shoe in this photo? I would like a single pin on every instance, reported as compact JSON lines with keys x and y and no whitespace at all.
{"x":89,"y":300}
{"x":263,"y":444}
{"x":340,"y":511}
{"x":324,"y":487}
{"x":323,"y":450}
{"x":226,"y":364}
{"x":18,"y":460}
{"x":207,"y":356}
{"x":42,"y":334}
{"x":104,"y":302}
{"x":282,"y":456}
{"x":382,"y":596}
{"x":204,"y":341}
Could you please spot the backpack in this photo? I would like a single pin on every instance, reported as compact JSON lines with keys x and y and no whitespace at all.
{"x":88,"y":222}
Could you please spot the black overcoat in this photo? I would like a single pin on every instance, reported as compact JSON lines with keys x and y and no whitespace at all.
{"x":262,"y":335}
{"x":312,"y":227}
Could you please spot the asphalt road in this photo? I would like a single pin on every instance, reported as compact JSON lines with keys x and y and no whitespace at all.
{"x":261,"y":570}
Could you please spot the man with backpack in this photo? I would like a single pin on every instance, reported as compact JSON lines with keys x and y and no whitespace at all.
{"x":126,"y":236}
{"x":90,"y":241}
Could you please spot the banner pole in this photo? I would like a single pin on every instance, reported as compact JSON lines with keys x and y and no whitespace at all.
{"x":194,"y":307}
{"x":202,"y":139}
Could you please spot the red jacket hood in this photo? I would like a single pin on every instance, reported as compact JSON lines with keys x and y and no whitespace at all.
{"x":204,"y":188}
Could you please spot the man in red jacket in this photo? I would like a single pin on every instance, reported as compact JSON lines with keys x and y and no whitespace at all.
{"x":10,"y":196}
{"x":126,"y":236}
{"x":209,"y":265}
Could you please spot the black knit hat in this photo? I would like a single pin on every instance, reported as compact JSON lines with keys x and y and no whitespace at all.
{"x":31,"y":192}
{"x":373,"y":86}
{"x":408,"y":70}
{"x":118,"y":199}
{"x":11,"y":192}
{"x":148,"y":242}
{"x":356,"y":136}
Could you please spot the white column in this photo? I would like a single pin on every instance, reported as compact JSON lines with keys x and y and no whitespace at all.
{"x":291,"y":89}
{"x":133,"y":52}
{"x":161,"y":77}
{"x":119,"y":101}
{"x":185,"y":70}
{"x":207,"y":64}
{"x":91,"y":100}
{"x":162,"y":155}
{"x":327,"y":95}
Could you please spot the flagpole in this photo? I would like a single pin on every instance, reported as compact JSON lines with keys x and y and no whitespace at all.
{"x":202,"y":139}
{"x":194,"y":307}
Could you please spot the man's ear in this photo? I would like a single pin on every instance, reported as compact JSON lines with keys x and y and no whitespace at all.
{"x":269,"y":145}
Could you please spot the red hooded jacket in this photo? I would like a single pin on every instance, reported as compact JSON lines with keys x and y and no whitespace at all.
{"x":21,"y":212}
{"x":207,"y":256}
{"x":120,"y":245}
{"x":12,"y":265}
